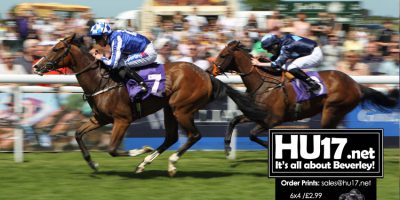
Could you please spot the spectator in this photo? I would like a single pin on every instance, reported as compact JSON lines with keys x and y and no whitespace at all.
{"x":8,"y":66}
{"x":190,"y":55}
{"x":332,"y":52}
{"x":45,"y":29}
{"x":199,"y":58}
{"x":301,"y":27}
{"x":26,"y":59}
{"x":372,"y":56}
{"x":287,"y":26}
{"x":11,"y":33}
{"x":184,"y":45}
{"x":228,"y":23}
{"x":322,"y":28}
{"x":352,"y":43}
{"x":251,"y":22}
{"x":391,"y":64}
{"x":352,"y":65}
{"x":168,"y":31}
{"x":202,"y":60}
{"x":336,"y":27}
{"x":22,"y":24}
{"x":177,"y":21}
{"x":385,"y":37}
{"x":212,"y":31}
{"x":195,"y":21}
{"x":157,"y":29}
{"x":163,"y":48}
{"x":274,"y":22}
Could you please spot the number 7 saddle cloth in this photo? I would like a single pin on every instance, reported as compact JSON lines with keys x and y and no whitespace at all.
{"x":302,"y":89}
{"x":154,"y":77}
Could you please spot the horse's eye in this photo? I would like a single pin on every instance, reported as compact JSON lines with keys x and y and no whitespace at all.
{"x":54,"y":49}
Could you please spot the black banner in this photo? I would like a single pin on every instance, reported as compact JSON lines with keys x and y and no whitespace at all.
{"x":325,"y":153}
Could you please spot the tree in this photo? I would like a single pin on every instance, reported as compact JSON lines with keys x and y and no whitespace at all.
{"x":261,"y":4}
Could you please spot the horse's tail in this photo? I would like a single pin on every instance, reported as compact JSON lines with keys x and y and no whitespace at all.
{"x":245,"y":103}
{"x":378,"y":99}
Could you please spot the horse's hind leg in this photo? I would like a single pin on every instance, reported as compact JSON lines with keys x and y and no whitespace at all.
{"x":228,"y":135}
{"x":253,"y":136}
{"x":171,"y":127}
{"x":331,"y":117}
{"x":187,"y":123}
{"x":117,"y":134}
{"x":92,"y":124}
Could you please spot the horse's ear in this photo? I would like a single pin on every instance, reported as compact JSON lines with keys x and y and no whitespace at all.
{"x":78,"y":40}
{"x":244,"y":47}
{"x":73,"y":37}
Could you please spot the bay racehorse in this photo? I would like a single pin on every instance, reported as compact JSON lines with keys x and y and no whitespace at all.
{"x":187,"y":89}
{"x":275,"y":94}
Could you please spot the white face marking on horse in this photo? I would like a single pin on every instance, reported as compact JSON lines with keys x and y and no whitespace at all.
{"x":35,"y":70}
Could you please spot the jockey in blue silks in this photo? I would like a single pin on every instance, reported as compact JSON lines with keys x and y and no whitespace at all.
{"x":292,"y":53}
{"x":128,"y":50}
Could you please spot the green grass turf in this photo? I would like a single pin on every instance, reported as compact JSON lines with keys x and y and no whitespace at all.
{"x":201,"y":175}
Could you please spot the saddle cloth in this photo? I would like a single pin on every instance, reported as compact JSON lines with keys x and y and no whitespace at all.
{"x":154,"y":77}
{"x":302,"y":91}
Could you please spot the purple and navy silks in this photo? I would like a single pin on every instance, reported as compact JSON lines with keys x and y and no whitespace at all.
{"x":293,"y":47}
{"x":124,"y":43}
{"x":154,"y":77}
{"x":301,"y":88}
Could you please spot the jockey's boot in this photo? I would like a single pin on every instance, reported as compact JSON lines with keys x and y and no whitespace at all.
{"x":300,"y":74}
{"x":126,"y":74}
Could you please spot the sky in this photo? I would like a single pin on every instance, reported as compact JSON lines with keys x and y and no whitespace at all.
{"x":110,"y":8}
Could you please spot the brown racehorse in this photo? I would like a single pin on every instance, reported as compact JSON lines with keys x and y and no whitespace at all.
{"x":277,"y":96}
{"x":188,"y":89}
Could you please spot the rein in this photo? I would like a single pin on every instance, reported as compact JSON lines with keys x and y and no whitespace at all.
{"x":265,"y":78}
{"x":53,"y":66}
{"x":248,"y":73}
{"x":85,"y":96}
{"x":87,"y":68}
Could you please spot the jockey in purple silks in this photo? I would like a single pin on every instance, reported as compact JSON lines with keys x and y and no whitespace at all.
{"x":128,"y":50}
{"x":303,"y":53}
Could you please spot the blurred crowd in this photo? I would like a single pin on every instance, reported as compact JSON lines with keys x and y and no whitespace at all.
{"x":356,"y":50}
{"x":25,"y":38}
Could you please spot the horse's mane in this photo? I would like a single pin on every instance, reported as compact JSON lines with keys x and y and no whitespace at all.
{"x":247,"y":52}
{"x":79,"y":42}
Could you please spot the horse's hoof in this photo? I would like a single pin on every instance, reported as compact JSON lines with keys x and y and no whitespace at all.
{"x":147,"y":149}
{"x":94,"y":166}
{"x":172,"y":172}
{"x":228,"y":151}
{"x":135,"y":152}
{"x":139,"y":170}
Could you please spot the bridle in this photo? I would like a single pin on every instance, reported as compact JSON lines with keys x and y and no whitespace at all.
{"x":217,"y":68}
{"x":265,"y":78}
{"x":52,"y":65}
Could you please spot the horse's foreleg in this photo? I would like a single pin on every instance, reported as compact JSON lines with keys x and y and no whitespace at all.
{"x":171,"y":127}
{"x":228,"y":135}
{"x":187,"y":123}
{"x":92,"y":124}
